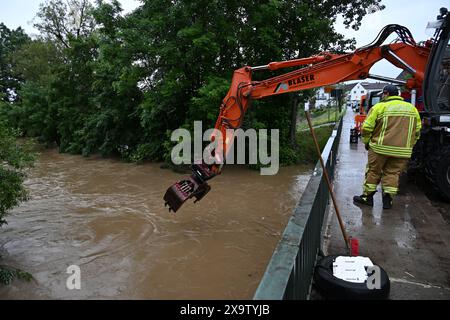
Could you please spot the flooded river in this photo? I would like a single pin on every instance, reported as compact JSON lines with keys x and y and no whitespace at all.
{"x":108,"y":217}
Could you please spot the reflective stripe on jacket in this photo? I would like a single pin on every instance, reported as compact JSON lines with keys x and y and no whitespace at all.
{"x":392,"y":127}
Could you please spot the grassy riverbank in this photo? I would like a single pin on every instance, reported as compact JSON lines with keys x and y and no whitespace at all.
{"x":321,"y":117}
{"x":306,"y":149}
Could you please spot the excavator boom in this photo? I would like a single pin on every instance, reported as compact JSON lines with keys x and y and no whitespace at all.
{"x":316,"y":71}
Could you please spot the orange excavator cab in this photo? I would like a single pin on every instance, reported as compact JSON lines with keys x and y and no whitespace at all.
{"x":361,"y":116}
{"x":366,"y":103}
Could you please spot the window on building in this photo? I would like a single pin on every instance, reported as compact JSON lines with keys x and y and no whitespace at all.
{"x":362,"y":91}
{"x":354,"y":91}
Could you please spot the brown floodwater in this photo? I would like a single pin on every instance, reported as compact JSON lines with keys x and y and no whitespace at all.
{"x":108,"y":217}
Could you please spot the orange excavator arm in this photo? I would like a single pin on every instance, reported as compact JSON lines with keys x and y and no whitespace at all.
{"x":316,"y":71}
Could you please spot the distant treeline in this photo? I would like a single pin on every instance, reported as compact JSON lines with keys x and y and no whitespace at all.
{"x":98,"y":81}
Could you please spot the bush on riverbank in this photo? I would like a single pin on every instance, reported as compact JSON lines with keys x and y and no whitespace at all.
{"x":14,"y":158}
{"x":307,"y":149}
{"x":324,"y":116}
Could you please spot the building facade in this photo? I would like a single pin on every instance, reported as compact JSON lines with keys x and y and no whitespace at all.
{"x":362,"y":88}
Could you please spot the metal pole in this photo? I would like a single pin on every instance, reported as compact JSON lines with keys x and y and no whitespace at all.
{"x":330,"y":189}
{"x":265,"y":67}
{"x":408,"y":68}
{"x":413,"y":97}
{"x":377,"y":77}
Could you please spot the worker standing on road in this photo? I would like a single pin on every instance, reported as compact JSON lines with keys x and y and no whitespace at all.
{"x":389,"y":132}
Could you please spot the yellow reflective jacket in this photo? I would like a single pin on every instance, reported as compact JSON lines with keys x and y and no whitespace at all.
{"x":392,"y":127}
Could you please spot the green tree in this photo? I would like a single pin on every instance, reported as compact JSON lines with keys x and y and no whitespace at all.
{"x":36,"y":61}
{"x":114,"y":126}
{"x":198,"y":44}
{"x":10,"y":78}
{"x":65,"y":20}
{"x":14,"y":158}
{"x":57,"y":95}
{"x":87,"y":102}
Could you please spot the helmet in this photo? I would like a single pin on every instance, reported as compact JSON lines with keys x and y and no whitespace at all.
{"x":391,"y":89}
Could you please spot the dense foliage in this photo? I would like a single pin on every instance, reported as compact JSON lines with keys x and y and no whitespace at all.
{"x":14,"y":158}
{"x":10,"y":79}
{"x":99,"y":81}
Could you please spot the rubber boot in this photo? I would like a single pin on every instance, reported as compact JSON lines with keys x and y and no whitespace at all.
{"x":387,"y":201}
{"x":366,"y":199}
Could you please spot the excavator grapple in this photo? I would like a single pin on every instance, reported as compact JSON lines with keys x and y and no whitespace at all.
{"x":193,"y":186}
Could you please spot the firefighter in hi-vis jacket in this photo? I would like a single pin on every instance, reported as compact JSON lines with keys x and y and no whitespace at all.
{"x":391,"y":129}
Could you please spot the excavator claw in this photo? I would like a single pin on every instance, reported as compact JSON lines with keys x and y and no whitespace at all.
{"x":193,"y":186}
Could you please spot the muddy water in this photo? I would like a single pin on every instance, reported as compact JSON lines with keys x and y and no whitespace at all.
{"x":108,"y":218}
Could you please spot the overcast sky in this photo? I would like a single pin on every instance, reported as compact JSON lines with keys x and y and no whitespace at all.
{"x":413,"y":14}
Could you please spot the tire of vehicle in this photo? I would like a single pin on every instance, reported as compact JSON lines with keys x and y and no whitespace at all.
{"x":438,"y":167}
{"x":334,"y":288}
